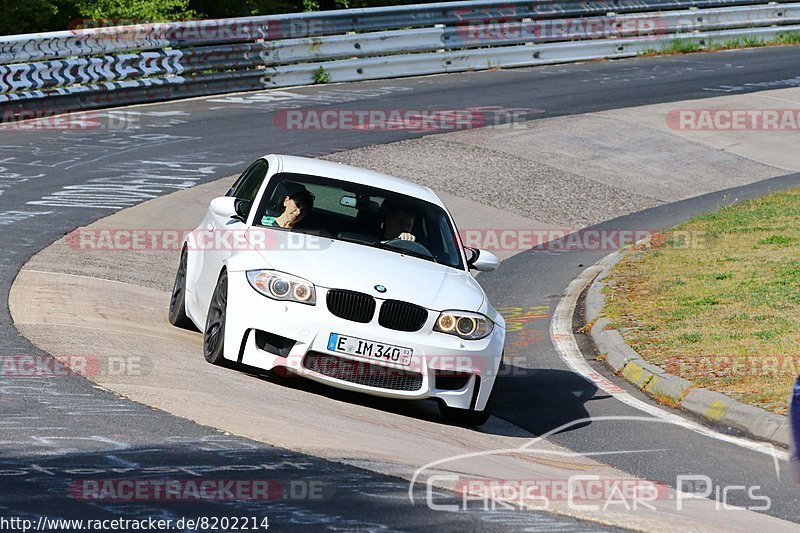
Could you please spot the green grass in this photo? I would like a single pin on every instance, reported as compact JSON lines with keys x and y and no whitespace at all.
{"x":778,"y":240}
{"x":321,"y":76}
{"x":682,"y":46}
{"x":788,"y":38}
{"x":734,"y":292}
{"x":688,"y":46}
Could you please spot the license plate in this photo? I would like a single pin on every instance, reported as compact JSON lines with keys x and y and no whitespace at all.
{"x":369,"y":349}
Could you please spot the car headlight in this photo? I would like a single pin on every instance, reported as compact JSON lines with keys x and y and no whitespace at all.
{"x":284,"y":287}
{"x":469,"y":326}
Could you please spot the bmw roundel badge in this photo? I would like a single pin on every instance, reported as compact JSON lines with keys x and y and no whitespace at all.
{"x":380,"y":288}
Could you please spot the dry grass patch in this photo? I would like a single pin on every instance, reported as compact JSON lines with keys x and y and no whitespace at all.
{"x":717,"y":300}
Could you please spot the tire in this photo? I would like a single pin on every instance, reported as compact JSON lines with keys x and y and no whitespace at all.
{"x":177,"y":302}
{"x":214,"y":334}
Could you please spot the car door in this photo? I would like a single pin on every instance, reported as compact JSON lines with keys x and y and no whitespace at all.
{"x":224,"y":235}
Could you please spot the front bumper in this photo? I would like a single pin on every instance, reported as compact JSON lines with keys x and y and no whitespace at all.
{"x":440,"y":362}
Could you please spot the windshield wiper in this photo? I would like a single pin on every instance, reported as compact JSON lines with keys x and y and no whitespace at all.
{"x":366,"y":240}
{"x":420,"y":255}
{"x":357,"y":238}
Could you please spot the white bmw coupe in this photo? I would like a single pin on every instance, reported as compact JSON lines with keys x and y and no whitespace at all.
{"x":345,"y":276}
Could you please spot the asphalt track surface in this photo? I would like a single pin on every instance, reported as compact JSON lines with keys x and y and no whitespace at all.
{"x":50,"y":427}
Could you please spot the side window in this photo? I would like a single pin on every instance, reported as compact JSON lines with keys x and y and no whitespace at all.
{"x":238,"y":183}
{"x":248,"y":184}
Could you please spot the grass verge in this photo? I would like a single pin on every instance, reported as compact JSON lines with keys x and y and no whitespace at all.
{"x":688,"y":46}
{"x":716,"y":300}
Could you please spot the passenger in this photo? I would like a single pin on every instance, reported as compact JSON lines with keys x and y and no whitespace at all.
{"x":296,"y":205}
{"x":398,"y":221}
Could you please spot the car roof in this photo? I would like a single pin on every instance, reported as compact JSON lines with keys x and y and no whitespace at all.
{"x":338,"y":171}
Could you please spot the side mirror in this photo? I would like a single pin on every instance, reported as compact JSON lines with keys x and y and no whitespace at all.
{"x":230,"y":207}
{"x":481,"y":260}
{"x":242,"y":208}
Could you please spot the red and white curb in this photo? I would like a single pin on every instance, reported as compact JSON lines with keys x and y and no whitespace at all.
{"x":564,"y":341}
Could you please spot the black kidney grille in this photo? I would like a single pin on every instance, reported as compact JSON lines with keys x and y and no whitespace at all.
{"x":362,"y":373}
{"x":351,"y":305}
{"x":402,"y":316}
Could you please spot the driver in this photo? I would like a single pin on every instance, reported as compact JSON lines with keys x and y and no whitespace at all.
{"x":398,"y":221}
{"x":296,"y":205}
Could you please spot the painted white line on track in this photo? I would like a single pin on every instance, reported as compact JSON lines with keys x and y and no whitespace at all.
{"x":567,"y":347}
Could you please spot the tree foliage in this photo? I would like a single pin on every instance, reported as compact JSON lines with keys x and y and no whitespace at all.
{"x":31,"y":16}
{"x":145,"y":10}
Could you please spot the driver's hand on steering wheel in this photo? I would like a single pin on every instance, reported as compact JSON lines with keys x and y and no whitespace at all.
{"x":406,"y":237}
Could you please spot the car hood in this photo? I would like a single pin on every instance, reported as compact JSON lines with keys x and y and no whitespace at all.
{"x":343,"y":265}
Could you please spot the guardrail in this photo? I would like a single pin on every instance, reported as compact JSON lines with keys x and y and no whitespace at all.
{"x":92,"y":68}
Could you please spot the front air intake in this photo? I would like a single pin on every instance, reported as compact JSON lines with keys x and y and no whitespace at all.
{"x":363,"y":373}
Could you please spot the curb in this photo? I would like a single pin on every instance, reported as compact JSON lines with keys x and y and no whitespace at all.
{"x":710,"y":406}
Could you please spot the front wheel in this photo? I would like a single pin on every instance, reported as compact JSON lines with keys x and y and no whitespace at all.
{"x":177,"y":301}
{"x":214,"y":336}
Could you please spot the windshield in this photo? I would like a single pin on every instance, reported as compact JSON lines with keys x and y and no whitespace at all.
{"x":362,"y":215}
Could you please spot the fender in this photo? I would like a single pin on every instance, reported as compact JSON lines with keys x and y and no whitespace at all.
{"x":193,"y":311}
